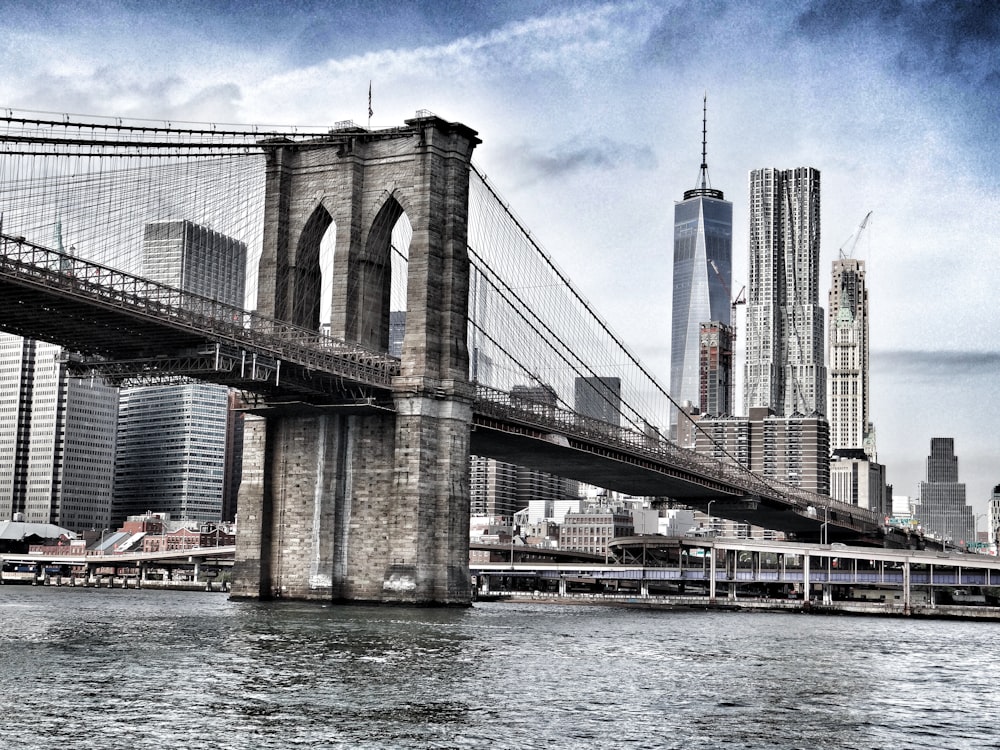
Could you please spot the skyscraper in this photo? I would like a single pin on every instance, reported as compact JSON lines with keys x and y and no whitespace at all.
{"x":598,"y":398}
{"x":855,"y":475}
{"x":172,"y":451}
{"x":57,"y":438}
{"x":187,"y":256}
{"x":942,"y":507}
{"x":175,"y":442}
{"x":851,"y":431}
{"x":702,"y":279}
{"x":785,"y":345}
{"x":716,"y":369}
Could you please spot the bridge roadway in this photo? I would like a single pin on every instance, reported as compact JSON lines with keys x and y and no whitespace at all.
{"x":134,"y":330}
{"x":645,"y":568}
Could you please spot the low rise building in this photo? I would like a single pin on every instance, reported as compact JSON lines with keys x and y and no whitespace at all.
{"x":591,"y":530}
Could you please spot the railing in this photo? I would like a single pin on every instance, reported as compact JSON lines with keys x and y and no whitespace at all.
{"x":79,"y":278}
{"x":653,"y":446}
{"x":72,"y":276}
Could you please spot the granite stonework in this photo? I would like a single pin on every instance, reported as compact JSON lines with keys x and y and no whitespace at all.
{"x":367,"y":507}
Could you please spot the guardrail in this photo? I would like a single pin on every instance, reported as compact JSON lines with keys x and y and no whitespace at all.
{"x":652,"y":445}
{"x":76,"y":277}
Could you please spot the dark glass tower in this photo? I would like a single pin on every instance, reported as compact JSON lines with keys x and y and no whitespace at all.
{"x":942,"y":509}
{"x":703,"y":262}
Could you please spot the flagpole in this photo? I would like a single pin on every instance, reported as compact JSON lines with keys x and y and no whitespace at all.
{"x":370,"y":113}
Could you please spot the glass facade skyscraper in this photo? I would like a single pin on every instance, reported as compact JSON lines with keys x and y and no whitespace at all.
{"x":175,"y":442}
{"x":785,"y":348}
{"x":172,"y":451}
{"x":198,"y":260}
{"x":57,"y":438}
{"x":702,"y":278}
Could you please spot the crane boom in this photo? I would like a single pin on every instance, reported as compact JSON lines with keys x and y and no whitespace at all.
{"x":853,"y":239}
{"x":739,"y":299}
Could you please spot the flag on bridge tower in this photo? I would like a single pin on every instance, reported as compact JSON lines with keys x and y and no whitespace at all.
{"x":370,"y":112}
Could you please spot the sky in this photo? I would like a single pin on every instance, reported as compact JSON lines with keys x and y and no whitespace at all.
{"x":590,"y":120}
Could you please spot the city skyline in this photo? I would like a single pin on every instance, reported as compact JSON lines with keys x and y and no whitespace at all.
{"x":586,"y":114}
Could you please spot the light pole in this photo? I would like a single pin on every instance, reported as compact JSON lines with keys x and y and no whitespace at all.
{"x":824,"y":532}
{"x":708,"y":512}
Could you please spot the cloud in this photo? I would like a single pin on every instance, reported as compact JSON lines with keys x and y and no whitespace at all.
{"x":580,"y":156}
{"x":682,"y":32}
{"x":945,"y":38}
{"x":933,"y":364}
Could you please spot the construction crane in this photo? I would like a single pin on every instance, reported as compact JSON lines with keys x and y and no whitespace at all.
{"x":739,"y":299}
{"x":853,"y":239}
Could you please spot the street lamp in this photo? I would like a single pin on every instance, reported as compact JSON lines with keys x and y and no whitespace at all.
{"x":825,"y":532}
{"x":708,"y":512}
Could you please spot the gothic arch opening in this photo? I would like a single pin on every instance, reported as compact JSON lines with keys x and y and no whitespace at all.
{"x":310,"y":262}
{"x":375,"y":303}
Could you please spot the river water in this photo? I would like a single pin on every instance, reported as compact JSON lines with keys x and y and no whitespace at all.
{"x":89,"y":668}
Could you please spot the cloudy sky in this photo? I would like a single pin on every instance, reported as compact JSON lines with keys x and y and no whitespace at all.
{"x":590,"y":116}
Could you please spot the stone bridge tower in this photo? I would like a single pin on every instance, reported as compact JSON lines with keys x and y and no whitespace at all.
{"x":346,"y":503}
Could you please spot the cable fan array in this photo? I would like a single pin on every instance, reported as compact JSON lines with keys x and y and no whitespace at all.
{"x":531,"y":329}
{"x":93,"y":189}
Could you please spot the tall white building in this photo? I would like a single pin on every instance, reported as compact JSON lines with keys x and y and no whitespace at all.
{"x":57,"y":439}
{"x":855,"y":475}
{"x":848,"y":361}
{"x":785,"y":346}
{"x":173,"y":439}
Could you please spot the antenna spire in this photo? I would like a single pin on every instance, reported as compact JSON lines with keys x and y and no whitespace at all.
{"x":704,"y":185}
{"x":704,"y":141}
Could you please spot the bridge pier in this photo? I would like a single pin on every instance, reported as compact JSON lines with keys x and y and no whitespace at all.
{"x":347,"y":504}
{"x":357,"y":508}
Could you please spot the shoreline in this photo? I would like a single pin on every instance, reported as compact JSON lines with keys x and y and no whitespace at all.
{"x":749,"y":604}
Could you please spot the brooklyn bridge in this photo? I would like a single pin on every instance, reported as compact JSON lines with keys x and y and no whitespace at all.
{"x":355,"y":481}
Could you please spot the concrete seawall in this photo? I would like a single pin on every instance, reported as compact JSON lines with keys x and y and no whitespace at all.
{"x":750,"y":604}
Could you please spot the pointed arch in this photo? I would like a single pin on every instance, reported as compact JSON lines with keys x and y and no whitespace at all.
{"x":367,"y":302}
{"x":306,"y":286}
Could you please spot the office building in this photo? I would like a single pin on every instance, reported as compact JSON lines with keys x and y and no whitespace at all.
{"x":57,"y":439}
{"x":702,"y":277}
{"x":941,"y":507}
{"x":995,"y":517}
{"x":715,"y":365}
{"x":187,"y":256}
{"x":860,"y":482}
{"x":784,"y":369}
{"x":180,"y":446}
{"x":792,"y":449}
{"x":172,"y":451}
{"x":592,"y":529}
{"x":492,"y":487}
{"x":397,"y":329}
{"x":599,"y":398}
